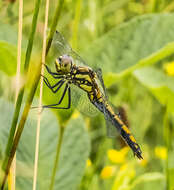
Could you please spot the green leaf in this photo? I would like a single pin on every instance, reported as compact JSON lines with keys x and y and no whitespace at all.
{"x":8,"y":33}
{"x":73,"y":155}
{"x":121,"y":48}
{"x":159,"y":84}
{"x":8,"y":58}
{"x":153,"y":176}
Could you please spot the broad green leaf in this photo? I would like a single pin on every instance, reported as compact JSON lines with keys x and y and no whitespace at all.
{"x":8,"y":33}
{"x":8,"y":58}
{"x":8,"y":48}
{"x":73,"y":155}
{"x":159,"y":84}
{"x":121,"y":48}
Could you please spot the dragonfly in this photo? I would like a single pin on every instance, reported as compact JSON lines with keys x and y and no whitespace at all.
{"x":71,"y":70}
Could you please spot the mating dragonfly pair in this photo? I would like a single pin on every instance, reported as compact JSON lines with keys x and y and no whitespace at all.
{"x":71,"y":71}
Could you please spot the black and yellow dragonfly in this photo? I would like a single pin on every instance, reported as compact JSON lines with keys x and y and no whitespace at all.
{"x":71,"y":70}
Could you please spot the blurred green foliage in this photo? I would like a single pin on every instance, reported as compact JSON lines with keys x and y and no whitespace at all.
{"x":117,"y":36}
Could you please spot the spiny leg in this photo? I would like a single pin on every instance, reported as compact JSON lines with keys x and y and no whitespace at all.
{"x":59,"y":84}
{"x":55,"y":75}
{"x":63,"y":95}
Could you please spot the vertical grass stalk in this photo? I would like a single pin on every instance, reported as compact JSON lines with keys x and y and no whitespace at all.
{"x":21,"y":125}
{"x":76,"y":23}
{"x":56,"y":163}
{"x":13,"y":144}
{"x":167,"y":138}
{"x":21,"y":93}
{"x":54,"y":24}
{"x":12,"y":177}
{"x":40,"y":98}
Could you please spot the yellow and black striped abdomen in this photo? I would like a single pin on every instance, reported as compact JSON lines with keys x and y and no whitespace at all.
{"x":124,"y":132}
{"x":121,"y":127}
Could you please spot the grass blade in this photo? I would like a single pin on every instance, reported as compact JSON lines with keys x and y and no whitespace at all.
{"x":56,"y":163}
{"x":12,"y":149}
{"x":12,"y":177}
{"x":21,"y":92}
{"x":54,"y":24}
{"x":76,"y":23}
{"x":40,"y":97}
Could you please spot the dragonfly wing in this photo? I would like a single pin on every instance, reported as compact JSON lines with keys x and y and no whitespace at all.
{"x":101,"y":82}
{"x":58,"y":48}
{"x":111,"y":129}
{"x":61,"y":46}
{"x":81,"y":101}
{"x":77,"y":59}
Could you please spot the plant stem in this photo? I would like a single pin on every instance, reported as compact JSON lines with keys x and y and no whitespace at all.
{"x":13,"y":144}
{"x":56,"y":163}
{"x":54,"y":24}
{"x":21,"y":126}
{"x":21,"y":91}
{"x":76,"y":23}
{"x":40,"y":97}
{"x":12,"y":177}
{"x":167,"y":138}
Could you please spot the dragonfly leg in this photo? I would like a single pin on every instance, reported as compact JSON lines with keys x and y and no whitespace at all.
{"x":55,"y":75}
{"x":63,"y":95}
{"x":59,"y":84}
{"x":46,"y":81}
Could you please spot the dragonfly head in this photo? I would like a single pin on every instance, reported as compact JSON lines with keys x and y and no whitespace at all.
{"x":63,"y":64}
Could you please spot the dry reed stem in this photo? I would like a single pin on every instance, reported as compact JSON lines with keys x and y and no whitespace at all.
{"x":12,"y":173}
{"x":40,"y":97}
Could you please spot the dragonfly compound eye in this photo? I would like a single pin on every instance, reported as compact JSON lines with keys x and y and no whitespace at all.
{"x":66,"y":59}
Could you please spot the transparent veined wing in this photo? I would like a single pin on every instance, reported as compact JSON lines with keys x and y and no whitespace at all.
{"x":60,"y":46}
{"x":80,"y":99}
{"x":111,"y":129}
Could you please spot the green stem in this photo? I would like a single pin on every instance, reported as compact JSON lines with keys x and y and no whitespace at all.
{"x":167,"y":138}
{"x":169,"y":7}
{"x":54,"y":24}
{"x":13,"y":127}
{"x":155,"y":5}
{"x":29,"y":99}
{"x":21,"y":126}
{"x":76,"y":23}
{"x":56,"y":163}
{"x":21,"y":91}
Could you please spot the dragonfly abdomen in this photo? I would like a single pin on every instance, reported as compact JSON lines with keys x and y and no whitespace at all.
{"x":104,"y":107}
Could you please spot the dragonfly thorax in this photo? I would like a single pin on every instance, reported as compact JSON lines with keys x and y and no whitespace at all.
{"x":64,"y":64}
